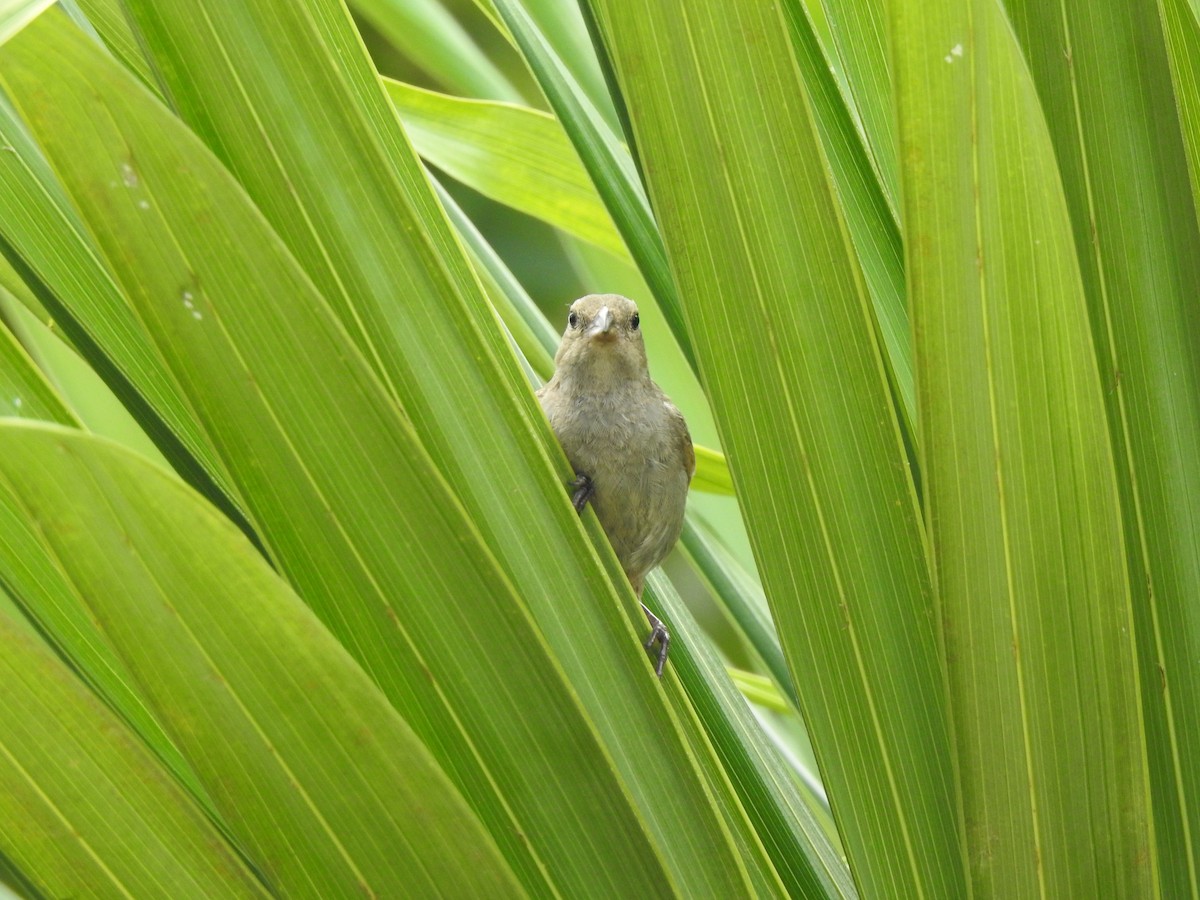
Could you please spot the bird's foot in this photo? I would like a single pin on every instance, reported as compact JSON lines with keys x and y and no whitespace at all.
{"x":658,"y":635}
{"x":582,"y":490}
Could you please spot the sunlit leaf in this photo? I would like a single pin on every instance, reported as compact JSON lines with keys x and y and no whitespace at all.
{"x":515,"y":155}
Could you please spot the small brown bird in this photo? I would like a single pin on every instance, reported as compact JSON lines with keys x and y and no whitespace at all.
{"x":629,"y":445}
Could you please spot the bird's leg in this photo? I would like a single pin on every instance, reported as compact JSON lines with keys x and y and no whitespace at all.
{"x":659,"y":635}
{"x":582,"y":490}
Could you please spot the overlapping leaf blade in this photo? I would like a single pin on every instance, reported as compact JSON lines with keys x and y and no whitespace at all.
{"x":1136,"y":236}
{"x":334,"y":502}
{"x":84,"y":807}
{"x":16,"y":14}
{"x":33,"y":574}
{"x":607,"y":160}
{"x":775,"y":303}
{"x":24,"y":390}
{"x":1022,"y":504}
{"x":808,"y":864}
{"x":858,"y":39}
{"x":316,"y":775}
{"x":870,"y":210}
{"x":428,"y":34}
{"x":1181,"y":30}
{"x":41,"y":234}
{"x":513,"y":154}
{"x":333,"y":172}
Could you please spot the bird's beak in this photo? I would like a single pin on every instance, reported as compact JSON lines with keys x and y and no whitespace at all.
{"x":602,"y":325}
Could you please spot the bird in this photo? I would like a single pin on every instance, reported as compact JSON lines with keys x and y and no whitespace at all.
{"x":627,"y":442}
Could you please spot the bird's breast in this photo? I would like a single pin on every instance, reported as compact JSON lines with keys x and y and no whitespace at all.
{"x":632,"y":453}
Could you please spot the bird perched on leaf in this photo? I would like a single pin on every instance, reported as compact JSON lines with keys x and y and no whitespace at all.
{"x":629,"y":445}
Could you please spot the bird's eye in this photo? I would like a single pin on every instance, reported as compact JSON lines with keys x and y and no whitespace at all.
{"x":573,"y":320}
{"x":634,"y":321}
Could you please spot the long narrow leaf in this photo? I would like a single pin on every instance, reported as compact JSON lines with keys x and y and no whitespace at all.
{"x":24,"y":390}
{"x":515,"y":155}
{"x":870,"y":206}
{"x":42,"y":234}
{"x":1181,"y":30}
{"x":808,"y":864}
{"x":530,"y":330}
{"x":858,"y":31}
{"x":1136,"y":236}
{"x":32,"y":574}
{"x":1022,"y":504}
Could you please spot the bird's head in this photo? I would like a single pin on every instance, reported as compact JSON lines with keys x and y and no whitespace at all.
{"x":603,"y":339}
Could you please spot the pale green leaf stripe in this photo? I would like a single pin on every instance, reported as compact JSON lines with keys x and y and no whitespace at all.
{"x":326,"y":787}
{"x":428,"y":35}
{"x":785,"y":340}
{"x":566,"y":33}
{"x":1021,"y":490}
{"x":85,"y":809}
{"x":16,"y":14}
{"x":516,"y":155}
{"x":18,"y":291}
{"x":336,"y":481}
{"x":331,"y":169}
{"x":759,"y":690}
{"x":712,"y":473}
{"x":1181,"y":29}
{"x":1137,"y":239}
{"x":91,"y":401}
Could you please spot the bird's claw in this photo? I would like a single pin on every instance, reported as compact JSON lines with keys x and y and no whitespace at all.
{"x":582,"y":489}
{"x":658,"y":635}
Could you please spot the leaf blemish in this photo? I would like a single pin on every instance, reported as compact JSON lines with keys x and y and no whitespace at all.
{"x":188,"y":300}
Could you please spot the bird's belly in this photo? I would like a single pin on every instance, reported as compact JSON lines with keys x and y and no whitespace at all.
{"x":641,"y":488}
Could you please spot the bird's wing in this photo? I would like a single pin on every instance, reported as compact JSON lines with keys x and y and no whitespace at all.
{"x":684,"y":437}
